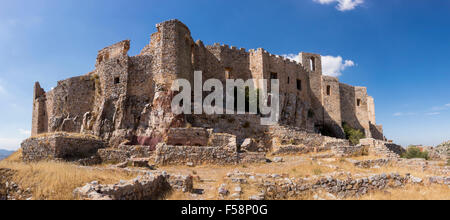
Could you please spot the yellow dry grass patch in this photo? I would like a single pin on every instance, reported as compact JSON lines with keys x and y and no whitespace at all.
{"x":56,"y":181}
{"x":69,"y":135}
{"x":213,"y":176}
{"x":412,"y":192}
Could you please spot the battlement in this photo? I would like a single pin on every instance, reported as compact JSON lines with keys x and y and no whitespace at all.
{"x":116,"y":50}
{"x":171,"y":23}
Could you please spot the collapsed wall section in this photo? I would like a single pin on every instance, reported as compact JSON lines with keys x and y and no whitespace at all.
{"x":68,"y":102}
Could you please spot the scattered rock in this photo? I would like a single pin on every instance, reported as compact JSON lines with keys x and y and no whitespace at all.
{"x":223,"y":190}
{"x":416,"y":180}
{"x":278,"y":159}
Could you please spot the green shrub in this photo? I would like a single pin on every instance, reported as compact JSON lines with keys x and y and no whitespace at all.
{"x":353,"y":135}
{"x":415,"y":152}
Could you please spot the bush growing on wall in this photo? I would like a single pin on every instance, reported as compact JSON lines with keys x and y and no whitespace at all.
{"x":353,"y":135}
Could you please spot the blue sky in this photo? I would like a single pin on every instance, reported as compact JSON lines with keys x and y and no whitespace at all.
{"x":399,"y":49}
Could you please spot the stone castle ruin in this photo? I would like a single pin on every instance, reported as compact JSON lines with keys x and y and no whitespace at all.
{"x":126,"y":102}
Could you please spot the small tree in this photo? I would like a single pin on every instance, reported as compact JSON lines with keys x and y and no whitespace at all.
{"x":415,"y":152}
{"x":353,"y":135}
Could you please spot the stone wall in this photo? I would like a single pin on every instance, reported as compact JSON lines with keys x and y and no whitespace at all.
{"x":188,"y":137}
{"x":340,"y":185}
{"x":60,"y":146}
{"x":148,"y":187}
{"x":370,"y":163}
{"x":348,"y":151}
{"x":332,"y":105}
{"x":173,"y":155}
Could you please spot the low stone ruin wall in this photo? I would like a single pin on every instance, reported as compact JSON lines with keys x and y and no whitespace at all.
{"x":278,"y":187}
{"x":370,"y":163}
{"x":292,"y":149}
{"x":424,"y":165}
{"x":123,"y":153}
{"x":194,"y":155}
{"x":188,"y":137}
{"x":348,"y":151}
{"x":176,"y":155}
{"x":290,"y":141}
{"x":60,"y":146}
{"x":148,"y":187}
{"x":151,"y":186}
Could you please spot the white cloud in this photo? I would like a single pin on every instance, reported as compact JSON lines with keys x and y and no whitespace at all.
{"x":398,"y":114}
{"x":401,"y":114}
{"x":292,"y":56}
{"x":447,"y":105}
{"x":434,"y":113}
{"x":334,"y":66}
{"x":342,"y":5}
{"x":24,"y":132}
{"x":10,"y":143}
{"x":331,"y":66}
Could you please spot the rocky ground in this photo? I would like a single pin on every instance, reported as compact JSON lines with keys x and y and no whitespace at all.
{"x":316,"y":176}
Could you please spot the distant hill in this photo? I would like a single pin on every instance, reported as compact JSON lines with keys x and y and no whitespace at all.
{"x":5,"y":153}
{"x":442,"y":151}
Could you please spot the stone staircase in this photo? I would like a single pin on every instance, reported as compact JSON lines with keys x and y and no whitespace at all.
{"x":383,"y":148}
{"x":286,"y":139}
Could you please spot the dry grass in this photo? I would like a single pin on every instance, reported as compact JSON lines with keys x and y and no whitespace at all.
{"x":69,"y":135}
{"x":56,"y":181}
{"x":302,"y":166}
{"x":412,"y":192}
{"x":52,"y":180}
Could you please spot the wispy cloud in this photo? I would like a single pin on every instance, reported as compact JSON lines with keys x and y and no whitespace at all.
{"x":2,"y":88}
{"x":437,"y":110}
{"x":400,"y":114}
{"x":342,"y":5}
{"x":24,"y":132}
{"x":331,"y":65}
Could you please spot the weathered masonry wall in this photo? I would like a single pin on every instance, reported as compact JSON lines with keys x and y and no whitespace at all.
{"x":68,"y":102}
{"x":59,"y":146}
{"x":128,"y":99}
{"x":332,"y":105}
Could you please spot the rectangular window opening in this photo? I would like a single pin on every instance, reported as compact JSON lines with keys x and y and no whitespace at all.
{"x":273,"y":76}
